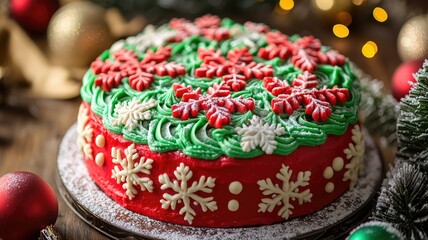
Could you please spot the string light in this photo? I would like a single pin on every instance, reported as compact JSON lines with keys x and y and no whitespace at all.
{"x":286,"y":5}
{"x":340,"y":30}
{"x":369,"y":49}
{"x":380,"y":14}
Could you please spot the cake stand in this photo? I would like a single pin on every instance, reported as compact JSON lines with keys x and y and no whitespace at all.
{"x":94,"y":207}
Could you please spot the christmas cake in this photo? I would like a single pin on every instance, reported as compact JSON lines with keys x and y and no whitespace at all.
{"x":213,"y":123}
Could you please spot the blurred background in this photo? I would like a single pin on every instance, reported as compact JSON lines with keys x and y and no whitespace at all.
{"x":65,"y":36}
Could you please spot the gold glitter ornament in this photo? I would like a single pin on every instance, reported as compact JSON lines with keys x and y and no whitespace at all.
{"x":78,"y":33}
{"x":412,"y":42}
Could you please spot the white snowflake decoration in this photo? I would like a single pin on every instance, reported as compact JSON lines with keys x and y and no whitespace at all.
{"x":130,"y":173}
{"x":185,"y":194}
{"x":85,"y":133}
{"x":259,"y":134}
{"x":131,"y":112}
{"x":283,"y":195}
{"x":355,"y":152}
{"x":148,"y":38}
{"x":248,"y":38}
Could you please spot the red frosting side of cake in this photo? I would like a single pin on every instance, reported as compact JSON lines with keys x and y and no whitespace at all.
{"x":239,"y":196}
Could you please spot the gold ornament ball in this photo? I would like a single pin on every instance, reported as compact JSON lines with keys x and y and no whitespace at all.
{"x":412,"y":42}
{"x":78,"y":33}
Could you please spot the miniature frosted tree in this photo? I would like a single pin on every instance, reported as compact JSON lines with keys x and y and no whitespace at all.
{"x":379,"y":108}
{"x":412,"y":126}
{"x":403,"y":202}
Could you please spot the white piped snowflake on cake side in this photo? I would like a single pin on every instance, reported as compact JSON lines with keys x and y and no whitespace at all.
{"x":129,"y":113}
{"x":185,"y":194}
{"x":355,"y":152}
{"x":259,"y":134}
{"x":151,"y":36}
{"x":129,"y":171}
{"x":283,"y":195}
{"x":85,"y":132}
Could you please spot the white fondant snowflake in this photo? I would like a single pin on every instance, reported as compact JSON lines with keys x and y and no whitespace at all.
{"x":85,"y":132}
{"x":148,"y":38}
{"x":131,"y":112}
{"x":248,"y":38}
{"x":289,"y":191}
{"x":355,"y":152}
{"x":259,"y":134}
{"x":129,"y":175}
{"x":185,"y":194}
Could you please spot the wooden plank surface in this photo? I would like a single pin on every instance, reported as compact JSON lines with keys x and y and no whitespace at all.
{"x":30,"y":133}
{"x":31,"y":129}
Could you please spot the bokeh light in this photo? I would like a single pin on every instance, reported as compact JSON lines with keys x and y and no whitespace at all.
{"x":369,"y":49}
{"x":357,"y":2}
{"x":278,"y":10}
{"x":344,"y":18}
{"x":324,"y":5}
{"x":380,"y":14}
{"x":340,"y":30}
{"x":286,"y":4}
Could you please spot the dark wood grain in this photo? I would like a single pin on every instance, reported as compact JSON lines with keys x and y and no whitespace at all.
{"x":31,"y":129}
{"x":30,"y":132}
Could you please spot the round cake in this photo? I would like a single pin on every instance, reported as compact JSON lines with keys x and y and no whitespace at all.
{"x":214,"y":123}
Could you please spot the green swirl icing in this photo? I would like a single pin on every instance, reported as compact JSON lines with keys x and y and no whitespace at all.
{"x":195,"y":137}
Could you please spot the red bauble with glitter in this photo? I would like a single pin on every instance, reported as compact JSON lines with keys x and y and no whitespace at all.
{"x":33,"y":15}
{"x":27,"y":205}
{"x":402,"y":76}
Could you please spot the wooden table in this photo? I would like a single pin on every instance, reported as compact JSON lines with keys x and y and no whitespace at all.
{"x":30,"y":133}
{"x":31,"y":129}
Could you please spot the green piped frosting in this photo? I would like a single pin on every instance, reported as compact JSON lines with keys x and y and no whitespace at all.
{"x":195,"y":137}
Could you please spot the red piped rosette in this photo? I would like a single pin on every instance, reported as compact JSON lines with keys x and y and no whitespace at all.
{"x":237,"y":192}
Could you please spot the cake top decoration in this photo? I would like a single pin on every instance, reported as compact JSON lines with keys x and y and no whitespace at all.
{"x":207,"y":80}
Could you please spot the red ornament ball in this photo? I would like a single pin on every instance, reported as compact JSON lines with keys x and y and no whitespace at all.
{"x":402,"y":76}
{"x":27,"y":205}
{"x":33,"y":15}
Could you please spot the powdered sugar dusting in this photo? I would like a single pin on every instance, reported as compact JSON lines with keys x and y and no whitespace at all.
{"x":77,"y":182}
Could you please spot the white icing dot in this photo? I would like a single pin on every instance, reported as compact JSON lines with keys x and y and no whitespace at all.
{"x":100,"y":141}
{"x":328,"y":173}
{"x":233,"y":205}
{"x":99,"y":159}
{"x":338,"y":164}
{"x":329,"y":187}
{"x":235,"y":187}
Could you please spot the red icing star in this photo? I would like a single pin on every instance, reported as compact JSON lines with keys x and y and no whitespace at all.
{"x":235,"y":71}
{"x":305,"y":52}
{"x":303,"y":91}
{"x":207,"y":26}
{"x":218,"y":104}
{"x":140,"y":73}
